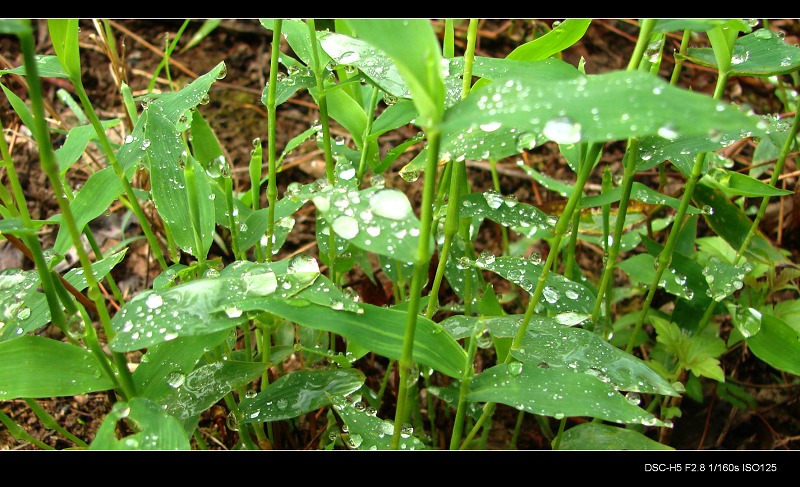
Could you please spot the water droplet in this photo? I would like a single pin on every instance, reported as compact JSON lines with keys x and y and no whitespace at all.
{"x":281,"y":403}
{"x":668,"y":132}
{"x":562,"y":130}
{"x":345,"y":226}
{"x":175,"y":379}
{"x":493,"y":199}
{"x":633,"y":398}
{"x":406,"y":430}
{"x":550,"y":294}
{"x":390,"y":203}
{"x":354,"y":440}
{"x":525,"y":140}
{"x":515,"y":368}
{"x":233,"y":312}
{"x":490,"y":126}
{"x":154,"y":300}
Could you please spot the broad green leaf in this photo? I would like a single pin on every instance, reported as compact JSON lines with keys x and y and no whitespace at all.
{"x":729,"y":222}
{"x":695,"y":25}
{"x":205,"y":145}
{"x":288,"y":85}
{"x":76,"y":142}
{"x":507,"y":211}
{"x":206,"y":305}
{"x":366,"y":431}
{"x":349,"y":51}
{"x":592,"y":109}
{"x":34,"y":366}
{"x":201,"y":388}
{"x":376,"y":220}
{"x":168,"y":363}
{"x":558,"y":393}
{"x":46,"y":67}
{"x":15,"y":226}
{"x":696,"y":353}
{"x":379,"y":329}
{"x":777,"y":344}
{"x":555,"y":343}
{"x":736,"y":184}
{"x":560,"y":294}
{"x":299,"y":392}
{"x":788,"y":311}
{"x":156,"y":430}
{"x":394,"y":116}
{"x":413,"y":46}
{"x":594,"y":436}
{"x":760,"y":53}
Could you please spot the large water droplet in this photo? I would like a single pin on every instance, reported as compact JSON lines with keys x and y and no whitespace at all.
{"x":562,"y":130}
{"x":390,"y":203}
{"x":345,"y":226}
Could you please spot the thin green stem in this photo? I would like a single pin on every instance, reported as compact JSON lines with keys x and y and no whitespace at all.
{"x":373,"y":105}
{"x":461,"y":410}
{"x":48,"y":421}
{"x":272,"y":185}
{"x":406,"y":362}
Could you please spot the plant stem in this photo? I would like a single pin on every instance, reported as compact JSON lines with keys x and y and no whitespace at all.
{"x":406,"y":362}
{"x":272,"y":185}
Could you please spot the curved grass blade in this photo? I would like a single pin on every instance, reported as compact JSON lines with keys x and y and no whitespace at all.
{"x":157,"y":430}
{"x":46,"y":67}
{"x":34,"y":366}
{"x":299,"y":392}
{"x":75,"y":144}
{"x":737,"y":184}
{"x":366,"y":431}
{"x":594,"y":436}
{"x":555,"y":392}
{"x":378,"y":329}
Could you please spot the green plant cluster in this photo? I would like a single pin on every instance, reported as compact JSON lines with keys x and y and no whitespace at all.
{"x":210,"y":332}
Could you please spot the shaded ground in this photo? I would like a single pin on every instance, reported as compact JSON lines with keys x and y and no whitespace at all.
{"x":236,"y":114}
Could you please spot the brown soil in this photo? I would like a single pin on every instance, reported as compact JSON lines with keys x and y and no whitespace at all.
{"x":237,"y":115}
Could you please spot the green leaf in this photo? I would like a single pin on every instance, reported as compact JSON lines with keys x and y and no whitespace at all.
{"x":34,"y":366}
{"x":201,"y":388}
{"x":552,"y":342}
{"x":592,"y":109}
{"x":729,"y":222}
{"x":208,"y":27}
{"x":366,"y":431}
{"x":761,"y":53}
{"x":695,"y":25}
{"x":555,"y":392}
{"x":75,"y":144}
{"x":723,"y":278}
{"x":46,"y":67}
{"x":696,"y":353}
{"x":414,"y":47}
{"x":64,"y":36}
{"x":299,"y":392}
{"x":777,"y":344}
{"x":507,"y":211}
{"x":156,"y":430}
{"x":20,"y":107}
{"x":379,"y":220}
{"x":560,"y":294}
{"x":167,"y":363}
{"x":641,"y":268}
{"x":736,"y":184}
{"x":206,"y":305}
{"x":594,"y":436}
{"x":561,"y":37}
{"x":379,"y":329}
{"x":639,"y":192}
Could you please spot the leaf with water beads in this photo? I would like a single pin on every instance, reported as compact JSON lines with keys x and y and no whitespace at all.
{"x":507,"y":211}
{"x":299,"y":392}
{"x":761,"y":53}
{"x":736,"y":184}
{"x":206,"y":305}
{"x":46,"y":67}
{"x":376,"y":220}
{"x":723,"y":278}
{"x":560,"y":294}
{"x":595,"y":108}
{"x":362,"y":429}
{"x":595,"y":436}
{"x":34,"y":366}
{"x":155,"y":429}
{"x":555,"y":342}
{"x":642,"y":269}
{"x":201,"y":388}
{"x":777,"y":343}
{"x":556,"y":392}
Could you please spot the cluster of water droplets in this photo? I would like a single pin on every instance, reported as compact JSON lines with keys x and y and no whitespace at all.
{"x":724,"y":279}
{"x":15,"y":287}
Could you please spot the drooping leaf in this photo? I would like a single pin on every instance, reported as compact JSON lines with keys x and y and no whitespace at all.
{"x":777,"y":343}
{"x":555,"y":392}
{"x":34,"y":366}
{"x":299,"y":392}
